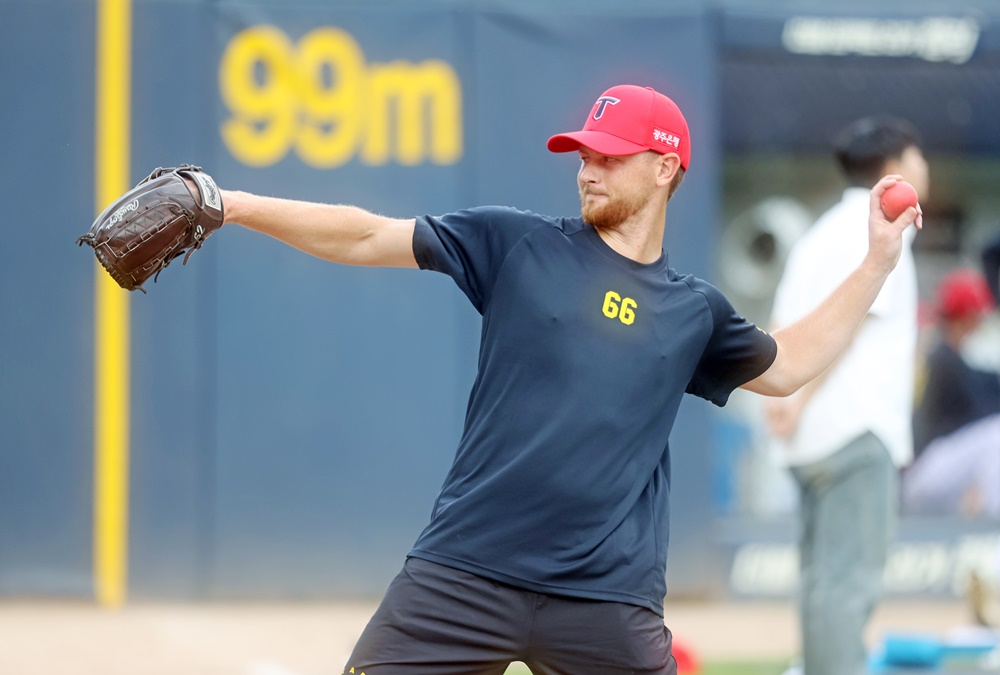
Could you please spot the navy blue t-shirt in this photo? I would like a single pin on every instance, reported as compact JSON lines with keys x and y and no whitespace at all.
{"x":561,"y":480}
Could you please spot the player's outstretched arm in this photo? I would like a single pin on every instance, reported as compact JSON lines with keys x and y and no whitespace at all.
{"x":342,"y":234}
{"x":809,"y":346}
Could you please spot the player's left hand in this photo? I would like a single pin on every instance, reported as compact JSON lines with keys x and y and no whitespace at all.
{"x":169,"y":213}
{"x":885,"y":237}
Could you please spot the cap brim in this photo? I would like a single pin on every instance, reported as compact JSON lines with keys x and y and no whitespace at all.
{"x":598,"y":141}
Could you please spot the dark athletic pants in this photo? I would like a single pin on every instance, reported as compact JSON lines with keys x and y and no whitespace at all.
{"x":436,"y":620}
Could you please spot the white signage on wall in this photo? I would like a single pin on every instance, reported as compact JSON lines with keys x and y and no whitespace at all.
{"x":951,"y":39}
{"x":913,"y":567}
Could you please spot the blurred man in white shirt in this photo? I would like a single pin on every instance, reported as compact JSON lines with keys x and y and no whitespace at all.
{"x":844,"y":435}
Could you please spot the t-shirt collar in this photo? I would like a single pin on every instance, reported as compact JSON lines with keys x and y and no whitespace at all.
{"x":602,"y":247}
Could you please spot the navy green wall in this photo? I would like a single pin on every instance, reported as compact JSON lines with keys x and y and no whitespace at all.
{"x":46,"y":303}
{"x":292,"y":420}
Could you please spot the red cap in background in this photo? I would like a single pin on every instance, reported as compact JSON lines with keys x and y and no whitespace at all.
{"x":963,"y":294}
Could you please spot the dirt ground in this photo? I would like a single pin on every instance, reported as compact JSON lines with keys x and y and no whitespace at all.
{"x":44,"y":638}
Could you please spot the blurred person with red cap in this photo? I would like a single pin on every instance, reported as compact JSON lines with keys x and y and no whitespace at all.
{"x":548,"y":541}
{"x":957,"y":421}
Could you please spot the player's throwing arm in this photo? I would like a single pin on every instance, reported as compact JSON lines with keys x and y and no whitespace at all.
{"x":808,"y":347}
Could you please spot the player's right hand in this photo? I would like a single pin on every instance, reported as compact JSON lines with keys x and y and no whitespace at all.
{"x":885,"y":238}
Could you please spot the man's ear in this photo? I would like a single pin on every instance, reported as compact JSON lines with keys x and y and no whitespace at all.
{"x":668,"y":165}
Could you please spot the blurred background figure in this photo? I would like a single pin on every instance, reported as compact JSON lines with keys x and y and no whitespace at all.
{"x":845,"y":434}
{"x":991,"y":266}
{"x":981,"y":349}
{"x":957,"y":420}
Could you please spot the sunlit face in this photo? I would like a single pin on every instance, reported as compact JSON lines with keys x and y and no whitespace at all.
{"x":614,"y":188}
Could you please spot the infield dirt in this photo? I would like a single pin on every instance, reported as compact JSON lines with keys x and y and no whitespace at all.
{"x":46,"y":638}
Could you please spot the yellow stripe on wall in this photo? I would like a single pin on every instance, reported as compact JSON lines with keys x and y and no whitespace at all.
{"x":111,"y":315}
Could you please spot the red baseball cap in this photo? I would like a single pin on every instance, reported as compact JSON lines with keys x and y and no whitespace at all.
{"x":627,"y":120}
{"x":962,"y":294}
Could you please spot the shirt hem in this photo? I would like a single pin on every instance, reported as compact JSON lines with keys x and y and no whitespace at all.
{"x":549,"y":589}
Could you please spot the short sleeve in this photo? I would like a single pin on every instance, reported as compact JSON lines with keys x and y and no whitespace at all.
{"x":737,"y":350}
{"x":471,"y":246}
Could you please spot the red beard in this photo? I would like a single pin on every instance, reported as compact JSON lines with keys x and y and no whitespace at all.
{"x":611,"y":212}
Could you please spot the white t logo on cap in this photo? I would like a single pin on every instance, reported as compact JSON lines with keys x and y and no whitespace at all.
{"x":602,"y":103}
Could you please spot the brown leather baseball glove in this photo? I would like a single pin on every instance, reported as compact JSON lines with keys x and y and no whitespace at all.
{"x":154,"y":222}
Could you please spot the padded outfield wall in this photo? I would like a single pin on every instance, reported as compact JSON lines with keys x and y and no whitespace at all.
{"x":266,"y":425}
{"x":290,"y":420}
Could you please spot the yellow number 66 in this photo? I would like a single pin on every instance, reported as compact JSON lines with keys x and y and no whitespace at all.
{"x":621,"y":308}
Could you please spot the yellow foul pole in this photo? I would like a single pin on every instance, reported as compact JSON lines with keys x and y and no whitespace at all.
{"x":111,"y":320}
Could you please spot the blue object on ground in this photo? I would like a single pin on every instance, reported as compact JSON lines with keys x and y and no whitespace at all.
{"x":910,"y":650}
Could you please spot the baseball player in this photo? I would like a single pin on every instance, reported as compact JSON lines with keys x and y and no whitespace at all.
{"x":548,"y":541}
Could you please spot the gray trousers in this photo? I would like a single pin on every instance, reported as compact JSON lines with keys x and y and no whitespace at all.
{"x":848,"y":508}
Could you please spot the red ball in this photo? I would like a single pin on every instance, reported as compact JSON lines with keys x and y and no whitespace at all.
{"x":897,"y":199}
